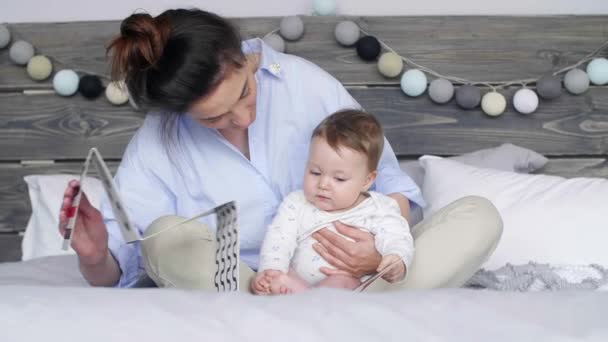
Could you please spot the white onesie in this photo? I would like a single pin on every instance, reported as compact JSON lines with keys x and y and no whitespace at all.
{"x":288,"y":241}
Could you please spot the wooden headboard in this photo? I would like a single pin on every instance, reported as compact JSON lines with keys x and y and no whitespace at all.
{"x":46,"y":134}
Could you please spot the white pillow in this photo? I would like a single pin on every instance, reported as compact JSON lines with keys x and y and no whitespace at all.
{"x":547,"y":219}
{"x":42,"y":236}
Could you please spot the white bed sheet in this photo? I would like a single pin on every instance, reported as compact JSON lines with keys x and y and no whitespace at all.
{"x":44,"y":300}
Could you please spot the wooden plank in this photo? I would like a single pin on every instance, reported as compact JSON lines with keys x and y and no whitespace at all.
{"x":582,"y":167}
{"x":476,"y":48}
{"x":57,"y":128}
{"x":54,"y":127}
{"x":15,"y":207}
{"x":10,"y":247}
{"x":568,"y":126}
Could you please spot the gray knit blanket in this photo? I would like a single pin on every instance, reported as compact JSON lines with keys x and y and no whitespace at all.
{"x":539,"y":277}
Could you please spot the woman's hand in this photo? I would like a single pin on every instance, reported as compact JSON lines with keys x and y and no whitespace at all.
{"x":355,"y":258}
{"x":89,"y":237}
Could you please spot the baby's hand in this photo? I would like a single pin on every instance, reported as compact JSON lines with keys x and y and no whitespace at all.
{"x":397,"y":268}
{"x":260,"y":285}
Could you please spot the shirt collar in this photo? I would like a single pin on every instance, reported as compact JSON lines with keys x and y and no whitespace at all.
{"x":269,"y":58}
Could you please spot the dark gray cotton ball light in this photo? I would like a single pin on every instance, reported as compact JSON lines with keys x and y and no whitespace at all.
{"x":441,"y":90}
{"x":549,"y":87}
{"x":368,"y":48}
{"x":21,"y":52}
{"x":291,"y":28}
{"x":5,"y":36}
{"x":468,"y":96}
{"x":347,"y":33}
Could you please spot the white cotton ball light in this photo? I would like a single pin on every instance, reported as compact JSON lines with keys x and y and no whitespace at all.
{"x":390,"y":64}
{"x":116,"y":93}
{"x":291,"y":28}
{"x":413,"y":82}
{"x":275,"y":42}
{"x":493,"y":103}
{"x":597,"y":70}
{"x":66,"y":82}
{"x":347,"y":33}
{"x":525,"y":101}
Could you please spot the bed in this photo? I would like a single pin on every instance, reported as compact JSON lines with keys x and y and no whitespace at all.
{"x":46,"y":134}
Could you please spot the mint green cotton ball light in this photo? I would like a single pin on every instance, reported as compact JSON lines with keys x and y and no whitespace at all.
{"x":413,"y":82}
{"x":324,"y":7}
{"x":597,"y":70}
{"x":65,"y":82}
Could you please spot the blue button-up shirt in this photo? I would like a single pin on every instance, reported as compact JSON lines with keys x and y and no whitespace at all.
{"x":200,"y":169}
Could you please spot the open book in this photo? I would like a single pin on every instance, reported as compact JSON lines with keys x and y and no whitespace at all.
{"x":227,"y":253}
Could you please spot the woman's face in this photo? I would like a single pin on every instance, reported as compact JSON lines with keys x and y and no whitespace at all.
{"x":231,"y":105}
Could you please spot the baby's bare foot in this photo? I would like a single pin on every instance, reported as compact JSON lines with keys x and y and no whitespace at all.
{"x":286,"y":284}
{"x":340,"y":282}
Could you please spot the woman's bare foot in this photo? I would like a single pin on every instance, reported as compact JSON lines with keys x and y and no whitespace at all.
{"x":339,"y":281}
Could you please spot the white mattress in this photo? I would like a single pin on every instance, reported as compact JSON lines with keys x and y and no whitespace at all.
{"x":44,"y":300}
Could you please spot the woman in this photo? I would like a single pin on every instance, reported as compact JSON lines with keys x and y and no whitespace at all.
{"x":231,"y":120}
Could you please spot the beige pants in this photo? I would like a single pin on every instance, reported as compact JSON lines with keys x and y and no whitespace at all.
{"x":450,"y":247}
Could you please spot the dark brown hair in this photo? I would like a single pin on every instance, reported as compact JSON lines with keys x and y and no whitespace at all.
{"x":170,"y":61}
{"x":354,"y":129}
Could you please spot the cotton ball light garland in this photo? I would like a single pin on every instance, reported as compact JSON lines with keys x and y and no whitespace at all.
{"x":390,"y":64}
{"x":324,"y":7}
{"x":413,"y":82}
{"x":90,"y":86}
{"x":347,"y":33}
{"x":21,"y":52}
{"x":291,"y":28}
{"x":576,"y":81}
{"x":275,"y":41}
{"x":493,"y":103}
{"x":525,"y":101}
{"x":39,"y":68}
{"x":597,"y":70}
{"x":5,"y":36}
{"x":549,"y":87}
{"x":116,"y":93}
{"x":368,"y":48}
{"x":65,"y":82}
{"x":468,"y":96}
{"x":441,"y":90}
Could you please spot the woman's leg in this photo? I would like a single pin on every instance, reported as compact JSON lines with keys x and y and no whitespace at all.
{"x":184,"y":257}
{"x":450,"y":245}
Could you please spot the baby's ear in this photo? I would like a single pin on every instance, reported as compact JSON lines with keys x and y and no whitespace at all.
{"x":371,"y":177}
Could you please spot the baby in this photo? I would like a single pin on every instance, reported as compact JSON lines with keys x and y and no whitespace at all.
{"x":344,"y":154}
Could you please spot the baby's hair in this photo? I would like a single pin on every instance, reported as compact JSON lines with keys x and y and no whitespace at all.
{"x":354,"y":129}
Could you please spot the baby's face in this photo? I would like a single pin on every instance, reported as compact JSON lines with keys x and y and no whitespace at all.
{"x":334,"y":180}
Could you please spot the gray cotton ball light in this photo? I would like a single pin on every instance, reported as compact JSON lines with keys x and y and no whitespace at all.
{"x":5,"y":36}
{"x":21,"y":52}
{"x":276,"y":42}
{"x":576,"y":81}
{"x":549,"y":87}
{"x":291,"y":28}
{"x":347,"y":33}
{"x":468,"y":96}
{"x":441,"y":90}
